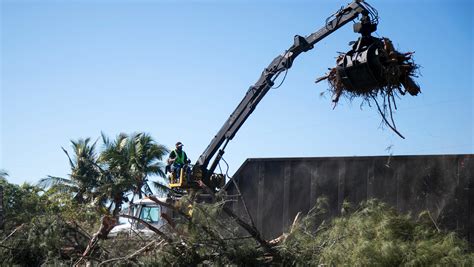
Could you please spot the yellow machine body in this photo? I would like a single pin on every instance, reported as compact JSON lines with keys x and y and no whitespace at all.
{"x":178,"y":182}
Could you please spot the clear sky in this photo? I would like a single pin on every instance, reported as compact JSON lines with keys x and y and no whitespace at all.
{"x":177,"y":69}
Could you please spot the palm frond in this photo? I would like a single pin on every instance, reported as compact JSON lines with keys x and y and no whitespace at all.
{"x":156,"y":169}
{"x":3,"y":174}
{"x":50,"y":181}
{"x":160,"y":187}
{"x":71,"y":163}
{"x":64,"y":188}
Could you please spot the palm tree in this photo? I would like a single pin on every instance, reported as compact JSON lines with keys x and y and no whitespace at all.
{"x":85,"y":173}
{"x":116,"y":180}
{"x":147,"y":156}
{"x":128,"y":162}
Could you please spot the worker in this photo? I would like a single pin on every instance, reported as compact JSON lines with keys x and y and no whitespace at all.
{"x":177,"y":159}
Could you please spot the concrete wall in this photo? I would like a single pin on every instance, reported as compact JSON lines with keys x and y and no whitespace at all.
{"x":275,"y":190}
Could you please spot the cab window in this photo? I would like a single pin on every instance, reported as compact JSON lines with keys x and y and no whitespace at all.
{"x":150,"y":214}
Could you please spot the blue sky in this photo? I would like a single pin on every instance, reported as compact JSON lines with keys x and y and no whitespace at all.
{"x":177,"y":69}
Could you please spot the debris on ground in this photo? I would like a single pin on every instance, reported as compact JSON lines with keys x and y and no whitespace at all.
{"x":371,"y":234}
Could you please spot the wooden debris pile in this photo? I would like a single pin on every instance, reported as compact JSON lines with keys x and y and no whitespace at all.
{"x":377,"y":73}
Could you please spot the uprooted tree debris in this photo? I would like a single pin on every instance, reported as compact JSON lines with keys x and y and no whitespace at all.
{"x":212,"y":234}
{"x":371,"y":233}
{"x":374,"y":71}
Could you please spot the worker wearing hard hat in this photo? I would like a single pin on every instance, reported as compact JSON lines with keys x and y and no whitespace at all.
{"x":177,"y":159}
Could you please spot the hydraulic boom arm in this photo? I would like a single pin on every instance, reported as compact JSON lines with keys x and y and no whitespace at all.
{"x":257,"y":91}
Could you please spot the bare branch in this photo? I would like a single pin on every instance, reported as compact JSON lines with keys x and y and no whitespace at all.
{"x":12,"y":233}
{"x":149,"y":226}
{"x":134,"y":254}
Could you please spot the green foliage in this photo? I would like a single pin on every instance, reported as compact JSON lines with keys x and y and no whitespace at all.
{"x":86,"y":215}
{"x":104,"y":178}
{"x":22,"y":202}
{"x":372,"y":235}
{"x":38,"y":228}
{"x":127,"y":162}
{"x":48,"y":231}
{"x":208,"y":238}
{"x":45,"y":239}
{"x":84,"y":177}
{"x":52,"y":226}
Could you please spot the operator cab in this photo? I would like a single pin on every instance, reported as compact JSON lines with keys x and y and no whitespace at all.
{"x":147,"y":210}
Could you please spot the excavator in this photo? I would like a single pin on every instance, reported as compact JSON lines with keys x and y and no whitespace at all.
{"x":361,"y":69}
